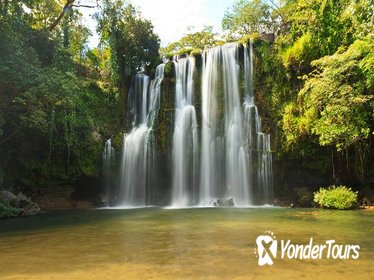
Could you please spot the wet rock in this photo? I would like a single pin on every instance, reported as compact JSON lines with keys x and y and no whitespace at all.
{"x":9,"y":198}
{"x":220,"y":202}
{"x":366,"y":202}
{"x":304,"y":197}
{"x":23,"y":200}
{"x":229,"y":202}
{"x":16,"y":205}
{"x":282,"y":202}
{"x":23,"y":197}
{"x":31,"y":209}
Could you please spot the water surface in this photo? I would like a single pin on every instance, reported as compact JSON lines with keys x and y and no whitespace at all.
{"x":155,"y":243}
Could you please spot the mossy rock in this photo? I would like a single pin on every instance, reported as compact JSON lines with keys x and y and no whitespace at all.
{"x":169,"y":71}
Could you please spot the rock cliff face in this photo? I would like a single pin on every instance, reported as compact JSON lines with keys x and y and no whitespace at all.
{"x":163,"y":131}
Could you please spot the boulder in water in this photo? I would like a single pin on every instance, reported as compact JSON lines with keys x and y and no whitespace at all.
{"x":8,"y":198}
{"x":31,"y":209}
{"x":229,"y":202}
{"x":16,"y":205}
{"x":23,"y":200}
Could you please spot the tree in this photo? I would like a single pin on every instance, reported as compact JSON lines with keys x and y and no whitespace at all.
{"x":336,"y":103}
{"x":192,"y":41}
{"x":132,"y":42}
{"x":246,"y":17}
{"x":51,"y":103}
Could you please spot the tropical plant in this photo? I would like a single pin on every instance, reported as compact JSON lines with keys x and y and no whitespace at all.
{"x":336,"y":197}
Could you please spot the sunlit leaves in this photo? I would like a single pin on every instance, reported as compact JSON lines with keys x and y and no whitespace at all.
{"x":335,"y":103}
{"x":191,"y":42}
{"x":246,"y":17}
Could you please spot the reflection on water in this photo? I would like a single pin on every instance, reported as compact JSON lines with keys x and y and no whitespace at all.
{"x":156,"y":243}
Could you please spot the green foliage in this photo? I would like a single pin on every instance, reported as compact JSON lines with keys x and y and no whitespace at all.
{"x":59,"y":100}
{"x":7,"y":211}
{"x":335,"y":102}
{"x":339,"y":197}
{"x":192,"y":42}
{"x":53,"y":100}
{"x":246,"y":17}
{"x":316,"y":84}
{"x":134,"y":46}
{"x":300,"y":54}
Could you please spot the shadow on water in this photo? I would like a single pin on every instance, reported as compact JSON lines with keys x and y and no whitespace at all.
{"x":63,"y":218}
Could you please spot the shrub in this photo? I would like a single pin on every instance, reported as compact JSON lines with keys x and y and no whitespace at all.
{"x":339,"y":197}
{"x":7,"y":211}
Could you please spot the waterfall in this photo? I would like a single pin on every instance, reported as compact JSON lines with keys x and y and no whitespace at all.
{"x":185,"y":141}
{"x":265,"y":176}
{"x":231,"y":130}
{"x":219,"y":155}
{"x":259,"y":142}
{"x":137,"y":165}
{"x":224,"y":160}
{"x":108,"y":162}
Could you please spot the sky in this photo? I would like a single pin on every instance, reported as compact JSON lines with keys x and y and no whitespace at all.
{"x":171,"y":18}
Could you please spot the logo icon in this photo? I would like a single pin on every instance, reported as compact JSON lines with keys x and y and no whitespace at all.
{"x":266,"y":248}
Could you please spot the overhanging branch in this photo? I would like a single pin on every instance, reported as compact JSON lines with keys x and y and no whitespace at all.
{"x":69,"y":4}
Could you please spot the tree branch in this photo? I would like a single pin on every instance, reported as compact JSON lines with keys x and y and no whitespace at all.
{"x":67,"y":5}
{"x":277,"y":10}
{"x":272,"y":2}
{"x":84,"y":6}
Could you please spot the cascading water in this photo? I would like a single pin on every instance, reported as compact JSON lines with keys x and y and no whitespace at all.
{"x":185,"y":136}
{"x":232,"y":163}
{"x":138,"y":155}
{"x":231,"y":130}
{"x":108,"y":162}
{"x":265,"y":169}
{"x":259,"y":142}
{"x":224,"y":161}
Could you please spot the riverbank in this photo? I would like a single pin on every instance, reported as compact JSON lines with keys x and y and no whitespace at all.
{"x":12,"y":205}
